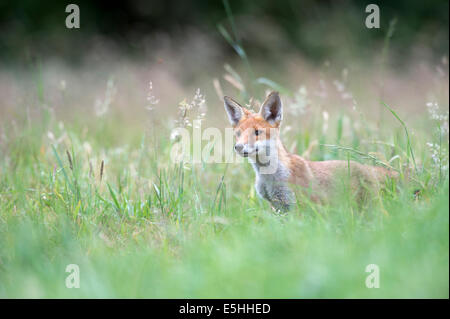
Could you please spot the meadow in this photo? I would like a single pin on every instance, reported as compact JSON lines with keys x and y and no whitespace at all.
{"x":86,"y":178}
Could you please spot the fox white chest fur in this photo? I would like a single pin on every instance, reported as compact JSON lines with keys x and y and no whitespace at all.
{"x":274,"y":187}
{"x":257,"y":137}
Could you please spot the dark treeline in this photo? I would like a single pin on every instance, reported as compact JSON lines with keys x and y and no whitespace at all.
{"x":31,"y":28}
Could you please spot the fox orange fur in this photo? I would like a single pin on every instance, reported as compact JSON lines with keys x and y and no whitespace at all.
{"x":278,"y":171}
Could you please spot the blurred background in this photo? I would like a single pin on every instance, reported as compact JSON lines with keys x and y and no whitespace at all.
{"x":31,"y":29}
{"x":317,"y":52}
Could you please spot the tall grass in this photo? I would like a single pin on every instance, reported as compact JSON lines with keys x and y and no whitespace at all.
{"x":200,"y":231}
{"x":139,"y":225}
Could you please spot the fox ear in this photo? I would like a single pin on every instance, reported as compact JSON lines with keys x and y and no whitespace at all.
{"x":234,"y":110}
{"x":272,"y":109}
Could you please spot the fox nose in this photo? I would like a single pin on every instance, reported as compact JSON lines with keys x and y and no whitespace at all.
{"x":239,"y":147}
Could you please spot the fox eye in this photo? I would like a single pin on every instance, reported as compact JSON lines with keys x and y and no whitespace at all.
{"x":258,"y":132}
{"x":238,"y":133}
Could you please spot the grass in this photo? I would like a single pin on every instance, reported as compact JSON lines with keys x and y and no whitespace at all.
{"x":140,"y":226}
{"x":97,"y":192}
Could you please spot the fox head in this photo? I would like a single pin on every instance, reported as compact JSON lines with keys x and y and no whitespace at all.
{"x":256,"y":133}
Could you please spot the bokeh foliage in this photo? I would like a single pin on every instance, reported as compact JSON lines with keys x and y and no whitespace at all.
{"x":30,"y":28}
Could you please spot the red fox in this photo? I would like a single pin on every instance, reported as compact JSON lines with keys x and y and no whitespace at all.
{"x":277,"y":170}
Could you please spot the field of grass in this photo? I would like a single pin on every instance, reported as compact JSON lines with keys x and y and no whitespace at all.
{"x":96,"y":187}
